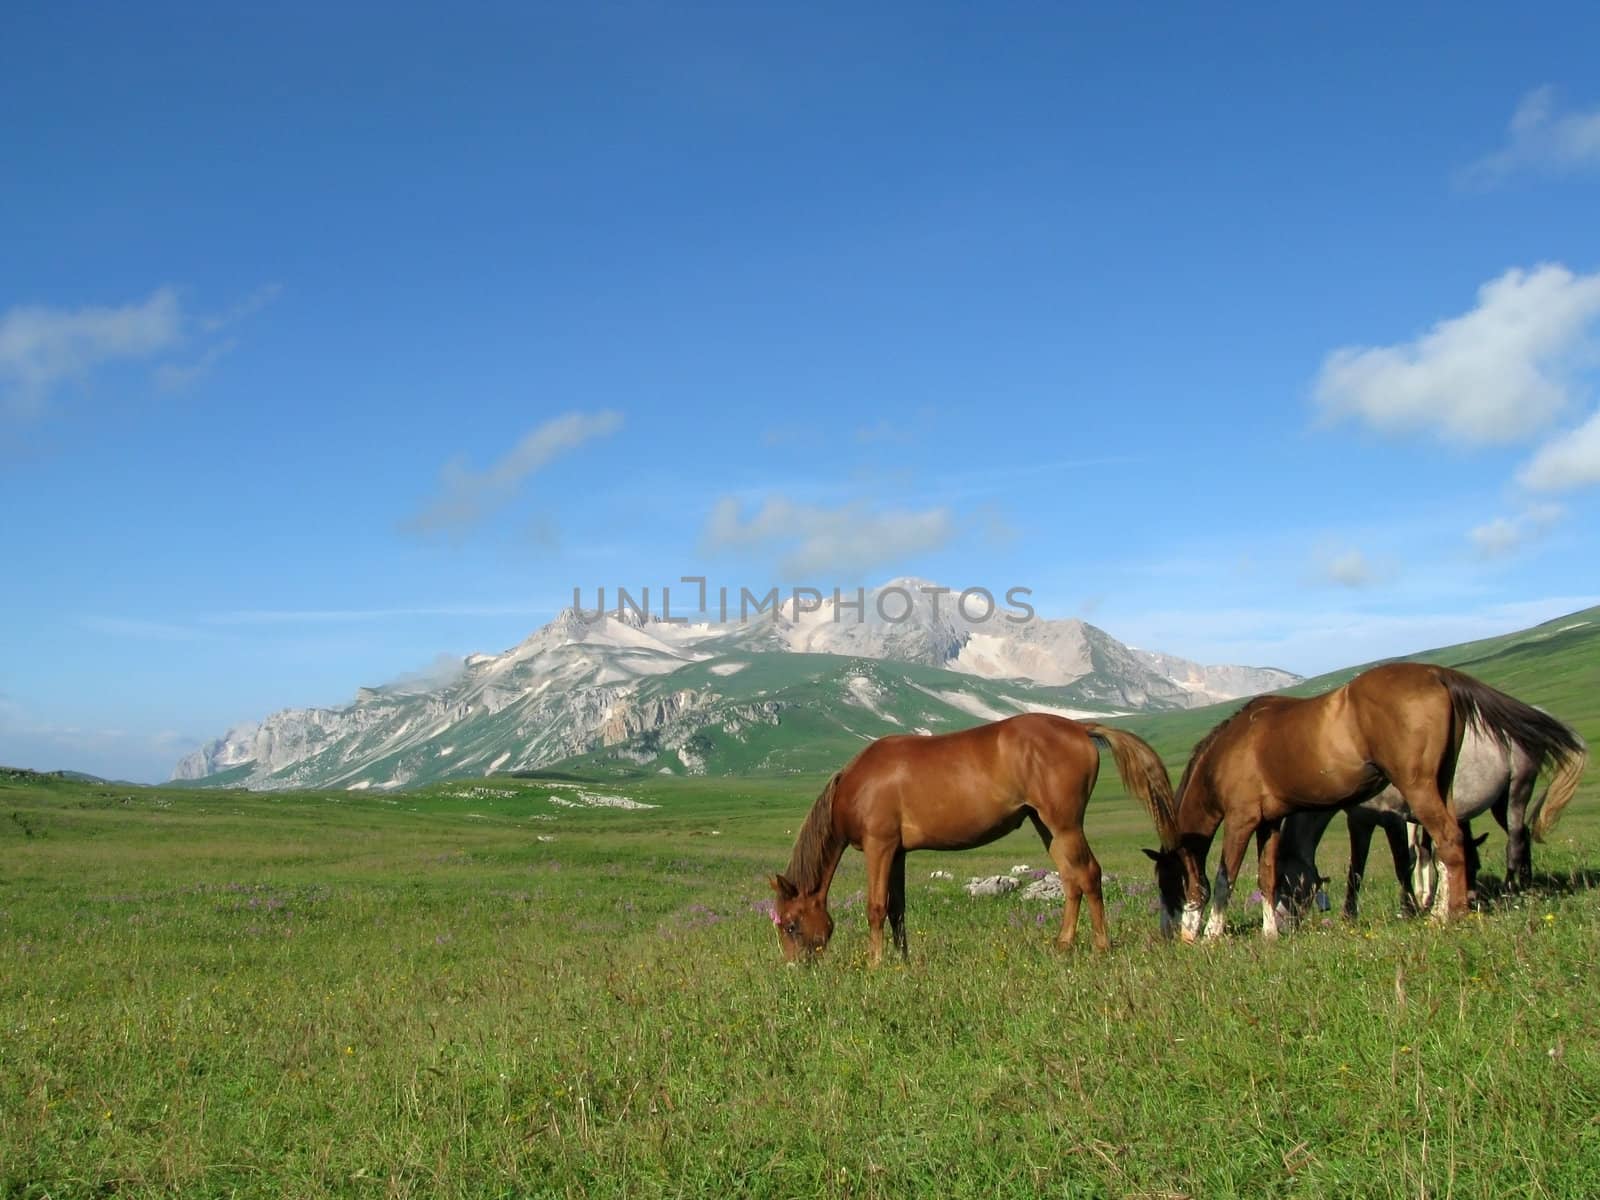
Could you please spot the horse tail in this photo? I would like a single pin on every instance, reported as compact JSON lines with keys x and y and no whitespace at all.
{"x":1143,"y":773}
{"x":1532,"y":730}
{"x":1545,"y":810}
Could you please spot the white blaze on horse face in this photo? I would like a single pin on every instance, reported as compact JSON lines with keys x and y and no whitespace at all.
{"x":1191,"y":921}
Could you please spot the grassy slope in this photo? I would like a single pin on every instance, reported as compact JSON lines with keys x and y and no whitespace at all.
{"x":225,"y":993}
{"x":821,"y":722}
{"x":1556,"y":665}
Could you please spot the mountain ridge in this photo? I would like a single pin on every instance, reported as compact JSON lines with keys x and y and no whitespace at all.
{"x":695,"y":697}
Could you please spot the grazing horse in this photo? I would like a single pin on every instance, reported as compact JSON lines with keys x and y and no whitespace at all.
{"x":1492,"y":776}
{"x":1399,"y":724}
{"x":952,"y":791}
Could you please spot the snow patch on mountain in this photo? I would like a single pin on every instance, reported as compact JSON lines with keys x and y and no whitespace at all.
{"x":587,"y":682}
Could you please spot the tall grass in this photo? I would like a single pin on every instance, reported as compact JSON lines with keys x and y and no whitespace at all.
{"x":221,"y":994}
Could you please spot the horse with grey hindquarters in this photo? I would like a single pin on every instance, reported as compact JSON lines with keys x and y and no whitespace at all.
{"x":1397,"y":724}
{"x":1493,"y":776}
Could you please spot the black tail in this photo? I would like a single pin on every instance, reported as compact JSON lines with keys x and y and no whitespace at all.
{"x":1536,"y":733}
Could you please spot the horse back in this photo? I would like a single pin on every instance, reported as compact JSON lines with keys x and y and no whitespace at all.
{"x":945,"y":790}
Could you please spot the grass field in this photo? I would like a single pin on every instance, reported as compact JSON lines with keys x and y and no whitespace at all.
{"x":471,"y":991}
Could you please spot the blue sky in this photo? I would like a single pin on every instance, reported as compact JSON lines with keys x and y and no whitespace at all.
{"x":334,"y":341}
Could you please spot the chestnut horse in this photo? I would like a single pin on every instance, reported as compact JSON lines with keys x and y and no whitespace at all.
{"x":952,"y":791}
{"x":1399,"y":724}
{"x":1492,"y":775}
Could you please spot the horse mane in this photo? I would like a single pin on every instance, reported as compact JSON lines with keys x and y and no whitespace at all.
{"x":1205,"y":743}
{"x":813,"y":849}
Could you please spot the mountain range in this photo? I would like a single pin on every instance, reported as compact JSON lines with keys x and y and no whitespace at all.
{"x":791,"y":689}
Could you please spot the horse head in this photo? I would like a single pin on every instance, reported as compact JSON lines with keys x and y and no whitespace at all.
{"x":802,"y":921}
{"x":1180,"y":903}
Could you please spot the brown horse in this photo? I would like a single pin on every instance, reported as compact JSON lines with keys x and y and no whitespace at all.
{"x":1399,"y":724}
{"x":950,"y":792}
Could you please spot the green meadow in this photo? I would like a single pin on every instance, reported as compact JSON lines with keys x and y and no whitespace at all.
{"x":473,"y":991}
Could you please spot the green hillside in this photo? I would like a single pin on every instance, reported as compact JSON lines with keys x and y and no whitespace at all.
{"x":1555,"y":665}
{"x":790,"y":714}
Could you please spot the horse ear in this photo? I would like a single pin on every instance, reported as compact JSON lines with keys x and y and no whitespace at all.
{"x":1152,"y":855}
{"x":785,"y":889}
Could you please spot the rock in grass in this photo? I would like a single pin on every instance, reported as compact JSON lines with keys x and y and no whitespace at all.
{"x":1047,"y":888}
{"x":993,"y":885}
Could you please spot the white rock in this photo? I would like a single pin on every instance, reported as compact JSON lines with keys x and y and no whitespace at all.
{"x":994,"y":885}
{"x":1048,"y":888}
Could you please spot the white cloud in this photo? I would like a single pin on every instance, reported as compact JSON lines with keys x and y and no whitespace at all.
{"x":443,"y":671}
{"x":1499,"y":373}
{"x":171,"y":377}
{"x":317,"y":616}
{"x":41,"y":348}
{"x":215,"y":625}
{"x":1540,"y":138}
{"x":466,"y":497}
{"x":1347,"y":568}
{"x":814,"y":539}
{"x":1571,"y":460}
{"x":138,"y":627}
{"x":1504,"y":536}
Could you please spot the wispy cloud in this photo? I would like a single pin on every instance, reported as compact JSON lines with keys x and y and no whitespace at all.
{"x":1347,"y":568}
{"x":1539,"y":137}
{"x":1570,"y":460}
{"x":341,"y":616}
{"x":812,"y":538}
{"x":173,"y":377}
{"x":1504,"y":536}
{"x":883,"y":432}
{"x":27,"y":741}
{"x":441,"y":672}
{"x":136,"y":627}
{"x":243,"y":310}
{"x":790,"y":435}
{"x":1498,"y":373}
{"x":466,"y":497}
{"x":42,"y":348}
{"x":212,"y":626}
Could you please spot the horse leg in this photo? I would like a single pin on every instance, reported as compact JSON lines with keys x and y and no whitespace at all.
{"x":1428,"y":806}
{"x":1235,"y":841}
{"x":1469,"y":848}
{"x":1360,"y":847}
{"x":1268,"y":835}
{"x":880,"y":866}
{"x":1424,"y":868}
{"x":1396,"y":830}
{"x":1513,"y":818}
{"x":1080,"y":877}
{"x":1077,"y":862}
{"x":897,"y":904}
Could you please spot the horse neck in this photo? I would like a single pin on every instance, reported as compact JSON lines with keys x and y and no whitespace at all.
{"x":816,"y":855}
{"x":1198,"y":813}
{"x":830,"y":864}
